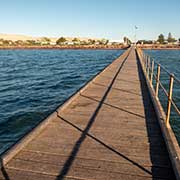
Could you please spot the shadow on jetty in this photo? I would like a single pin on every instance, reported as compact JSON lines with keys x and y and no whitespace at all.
{"x":161,"y":165}
{"x":153,"y":132}
{"x":84,"y":134}
{"x":3,"y":171}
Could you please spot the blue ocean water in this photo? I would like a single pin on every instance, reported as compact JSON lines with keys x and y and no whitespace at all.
{"x":33,"y":83}
{"x":170,"y":59}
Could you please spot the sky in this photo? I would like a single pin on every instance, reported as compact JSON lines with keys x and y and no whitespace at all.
{"x":111,"y":19}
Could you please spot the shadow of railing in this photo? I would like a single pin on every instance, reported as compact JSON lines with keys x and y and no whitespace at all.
{"x":85,"y":132}
{"x":106,"y":146}
{"x":3,"y":171}
{"x":83,"y":136}
{"x":159,"y":169}
{"x":118,"y":89}
{"x":115,"y":107}
{"x":156,"y":162}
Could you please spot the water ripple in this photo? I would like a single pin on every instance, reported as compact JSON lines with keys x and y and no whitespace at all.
{"x":34,"y":82}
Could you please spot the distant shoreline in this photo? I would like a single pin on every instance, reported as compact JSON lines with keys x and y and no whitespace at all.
{"x":66,"y":47}
{"x":160,"y":47}
{"x":106,"y":47}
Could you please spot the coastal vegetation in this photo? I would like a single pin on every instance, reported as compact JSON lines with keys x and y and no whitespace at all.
{"x":75,"y":42}
{"x":162,"y":40}
{"x":127,"y":40}
{"x":59,"y":42}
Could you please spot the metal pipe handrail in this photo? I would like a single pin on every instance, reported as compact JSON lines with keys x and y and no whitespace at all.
{"x":164,"y":68}
{"x":166,"y":93}
{"x":175,"y":107}
{"x":163,"y":88}
{"x":148,"y":64}
{"x":176,"y":79}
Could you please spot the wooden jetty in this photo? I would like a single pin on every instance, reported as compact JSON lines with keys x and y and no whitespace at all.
{"x":109,"y":130}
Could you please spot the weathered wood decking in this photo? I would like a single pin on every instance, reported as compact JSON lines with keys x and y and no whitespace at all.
{"x":107,"y":131}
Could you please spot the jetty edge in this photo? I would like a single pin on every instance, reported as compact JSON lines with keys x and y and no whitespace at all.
{"x":167,"y":132}
{"x":24,"y":140}
{"x":129,"y":160}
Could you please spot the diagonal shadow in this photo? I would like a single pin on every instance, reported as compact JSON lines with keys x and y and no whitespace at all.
{"x":3,"y":170}
{"x":118,"y":89}
{"x":120,"y":79}
{"x":150,"y":114}
{"x":78,"y":143}
{"x":121,"y":109}
{"x":106,"y":146}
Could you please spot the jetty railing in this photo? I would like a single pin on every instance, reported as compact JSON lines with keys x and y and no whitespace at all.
{"x":154,"y":74}
{"x":149,"y":67}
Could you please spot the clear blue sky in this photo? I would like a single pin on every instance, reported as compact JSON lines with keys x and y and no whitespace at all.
{"x":111,"y":19}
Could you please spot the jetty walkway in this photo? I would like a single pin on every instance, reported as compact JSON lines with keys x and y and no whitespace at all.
{"x":107,"y":131}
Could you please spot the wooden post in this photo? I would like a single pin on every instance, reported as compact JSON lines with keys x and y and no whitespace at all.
{"x":143,"y":60}
{"x":169,"y":99}
{"x":157,"y":80}
{"x":152,"y":71}
{"x":146,"y":63}
{"x":147,"y":69}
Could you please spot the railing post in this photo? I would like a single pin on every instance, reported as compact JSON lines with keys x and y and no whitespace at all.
{"x":169,"y":99}
{"x":152,"y":72}
{"x":146,"y":60}
{"x":148,"y":65}
{"x":157,"y":80}
{"x":143,"y":60}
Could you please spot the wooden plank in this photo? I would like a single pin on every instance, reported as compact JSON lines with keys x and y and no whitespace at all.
{"x":27,"y":175}
{"x":82,"y":167}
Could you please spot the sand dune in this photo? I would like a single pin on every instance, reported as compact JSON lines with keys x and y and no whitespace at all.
{"x":15,"y":37}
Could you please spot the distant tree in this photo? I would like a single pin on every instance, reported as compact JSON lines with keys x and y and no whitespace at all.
{"x":161,"y":39}
{"x":7,"y":42}
{"x":114,"y":43}
{"x":76,"y":41}
{"x":91,"y":41}
{"x":125,"y":40}
{"x":45,"y":39}
{"x":100,"y":42}
{"x":179,"y":40}
{"x":30,"y":42}
{"x":19,"y":42}
{"x":145,"y":42}
{"x":83,"y":42}
{"x":170,"y":39}
{"x":61,"y":41}
{"x":104,"y":41}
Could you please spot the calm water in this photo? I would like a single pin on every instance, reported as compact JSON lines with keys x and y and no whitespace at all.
{"x":34,"y":82}
{"x":171,"y":60}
